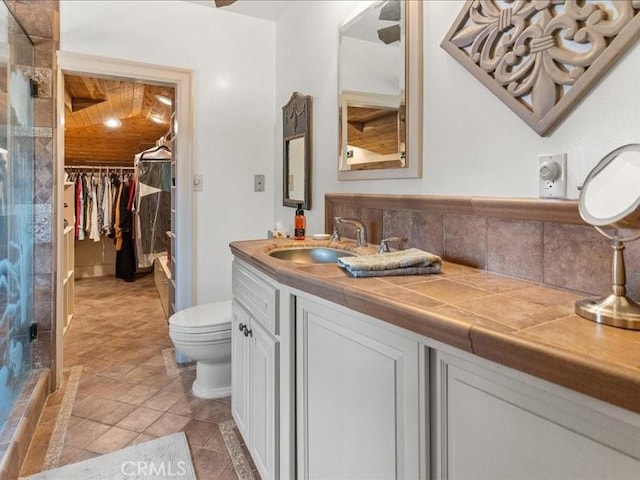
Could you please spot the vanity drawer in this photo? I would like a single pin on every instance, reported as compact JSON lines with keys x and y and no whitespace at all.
{"x":258,"y":296}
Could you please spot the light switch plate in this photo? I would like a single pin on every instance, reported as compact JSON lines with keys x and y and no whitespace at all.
{"x":258,"y":183}
{"x":556,"y":187}
{"x":197,"y":182}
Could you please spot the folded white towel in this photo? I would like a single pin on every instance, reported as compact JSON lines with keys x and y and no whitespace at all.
{"x":412,"y":261}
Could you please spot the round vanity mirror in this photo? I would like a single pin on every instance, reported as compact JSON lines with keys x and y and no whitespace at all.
{"x":610,"y":201}
{"x":611,"y":192}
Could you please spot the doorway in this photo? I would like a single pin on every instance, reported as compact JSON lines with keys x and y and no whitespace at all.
{"x":182,"y":208}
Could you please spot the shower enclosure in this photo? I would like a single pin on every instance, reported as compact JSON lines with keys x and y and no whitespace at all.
{"x":16,"y":208}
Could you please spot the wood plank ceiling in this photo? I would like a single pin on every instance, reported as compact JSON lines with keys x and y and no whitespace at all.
{"x":374,"y":129}
{"x":90,"y":101}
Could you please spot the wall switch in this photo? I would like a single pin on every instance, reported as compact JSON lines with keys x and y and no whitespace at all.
{"x":258,"y":183}
{"x":197,"y":182}
{"x":552,"y":175}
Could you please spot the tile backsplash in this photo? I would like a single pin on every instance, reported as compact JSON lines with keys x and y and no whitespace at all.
{"x":537,"y":240}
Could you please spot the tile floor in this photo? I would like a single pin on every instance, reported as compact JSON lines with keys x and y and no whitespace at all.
{"x":126,"y":394}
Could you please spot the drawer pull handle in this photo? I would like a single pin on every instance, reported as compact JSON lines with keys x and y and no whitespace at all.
{"x":241,"y":326}
{"x":247,"y":332}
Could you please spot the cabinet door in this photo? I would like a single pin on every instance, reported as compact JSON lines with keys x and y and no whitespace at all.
{"x":240,"y":370}
{"x":264,"y":401}
{"x":491,"y":426}
{"x":357,"y":397}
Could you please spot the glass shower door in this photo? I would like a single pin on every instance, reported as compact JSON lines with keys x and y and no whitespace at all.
{"x":16,"y":208}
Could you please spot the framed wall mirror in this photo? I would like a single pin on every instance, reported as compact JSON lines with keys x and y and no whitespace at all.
{"x":380,"y":92}
{"x":296,"y":151}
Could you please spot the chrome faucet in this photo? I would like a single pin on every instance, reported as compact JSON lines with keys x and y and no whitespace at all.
{"x":361,"y":230}
{"x":384,"y":244}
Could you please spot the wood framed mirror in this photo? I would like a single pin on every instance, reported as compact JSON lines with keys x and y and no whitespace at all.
{"x":296,"y":151}
{"x":380,"y":92}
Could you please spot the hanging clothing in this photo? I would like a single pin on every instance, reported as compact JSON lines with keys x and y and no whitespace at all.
{"x":152,"y":205}
{"x":125,"y":254}
{"x":99,"y":199}
{"x":79,"y":208}
{"x":94,"y":232}
{"x":107,"y":205}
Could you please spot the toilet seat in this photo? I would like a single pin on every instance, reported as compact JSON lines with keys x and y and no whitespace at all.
{"x":200,"y":338}
{"x":202,"y":320}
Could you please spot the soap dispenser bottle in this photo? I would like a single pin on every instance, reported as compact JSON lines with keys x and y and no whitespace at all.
{"x":299,"y":224}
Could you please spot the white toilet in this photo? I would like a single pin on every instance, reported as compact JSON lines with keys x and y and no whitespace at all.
{"x":203,"y":333}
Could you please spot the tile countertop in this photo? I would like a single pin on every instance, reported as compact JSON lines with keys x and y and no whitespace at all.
{"x":512,"y":322}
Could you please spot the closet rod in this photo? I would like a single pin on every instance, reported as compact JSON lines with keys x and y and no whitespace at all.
{"x":111,"y":167}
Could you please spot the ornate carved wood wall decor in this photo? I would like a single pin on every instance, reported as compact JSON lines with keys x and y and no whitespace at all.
{"x":541,"y":57}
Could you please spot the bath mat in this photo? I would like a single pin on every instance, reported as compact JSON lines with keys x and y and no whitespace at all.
{"x":162,"y":458}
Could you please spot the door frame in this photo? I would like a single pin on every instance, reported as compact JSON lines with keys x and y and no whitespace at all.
{"x":184,"y":146}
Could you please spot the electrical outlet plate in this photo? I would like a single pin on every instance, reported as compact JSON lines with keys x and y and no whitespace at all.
{"x":258,"y":183}
{"x":556,"y":188}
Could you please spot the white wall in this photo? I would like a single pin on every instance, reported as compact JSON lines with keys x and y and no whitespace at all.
{"x":372,"y":67}
{"x":473,"y":143}
{"x":233,"y":58}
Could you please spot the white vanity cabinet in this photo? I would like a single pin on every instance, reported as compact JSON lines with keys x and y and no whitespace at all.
{"x":490,"y":422}
{"x":324,"y":392}
{"x":358,"y":402}
{"x":254,"y":364}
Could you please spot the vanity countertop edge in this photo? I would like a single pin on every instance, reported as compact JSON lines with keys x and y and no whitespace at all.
{"x":516,"y":323}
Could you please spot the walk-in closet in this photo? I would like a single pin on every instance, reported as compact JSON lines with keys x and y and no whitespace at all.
{"x":119,"y":176}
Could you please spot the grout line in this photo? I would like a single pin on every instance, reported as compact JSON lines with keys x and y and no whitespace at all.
{"x":52,"y":458}
{"x":240,"y":464}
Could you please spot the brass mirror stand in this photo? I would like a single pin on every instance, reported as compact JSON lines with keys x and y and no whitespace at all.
{"x":610,"y":199}
{"x":615,"y":309}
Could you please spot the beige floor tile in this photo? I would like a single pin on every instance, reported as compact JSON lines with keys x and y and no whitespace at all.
{"x":159,"y":380}
{"x":182,"y":384}
{"x":114,"y":439}
{"x":214,"y":411}
{"x":115,"y":371}
{"x":199,"y":432}
{"x":84,"y":455}
{"x":83,"y":433}
{"x":188,"y":405}
{"x":111,"y":412}
{"x":140,"y":419}
{"x":210,"y":465}
{"x":143,"y":437}
{"x":216,"y":442}
{"x":68,"y":454}
{"x":167,"y":424}
{"x":127,"y":393}
{"x":90,"y":384}
{"x":83,"y":407}
{"x":163,"y":401}
{"x":229,"y":473}
{"x":139,"y":374}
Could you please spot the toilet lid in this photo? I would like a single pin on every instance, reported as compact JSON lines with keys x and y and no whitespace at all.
{"x":209,"y":317}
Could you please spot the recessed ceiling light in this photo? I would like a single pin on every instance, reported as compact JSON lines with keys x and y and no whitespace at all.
{"x":112,"y":123}
{"x":163,"y":99}
{"x":156,"y":118}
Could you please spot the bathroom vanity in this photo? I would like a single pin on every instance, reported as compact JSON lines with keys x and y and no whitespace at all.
{"x":400,"y":377}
